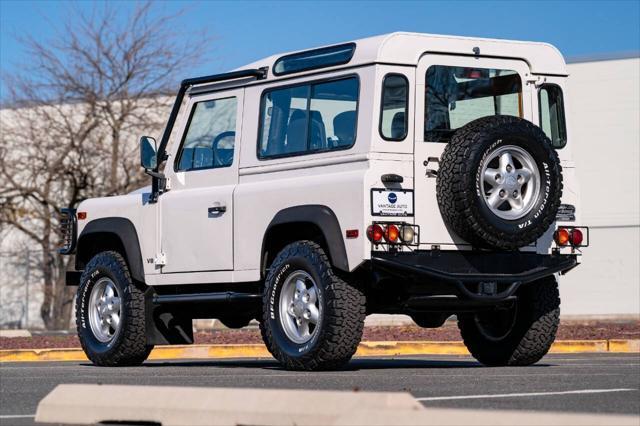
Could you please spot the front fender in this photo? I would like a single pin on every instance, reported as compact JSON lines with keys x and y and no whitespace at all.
{"x":104,"y":230}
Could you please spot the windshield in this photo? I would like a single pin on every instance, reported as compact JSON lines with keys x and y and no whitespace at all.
{"x":457,"y":95}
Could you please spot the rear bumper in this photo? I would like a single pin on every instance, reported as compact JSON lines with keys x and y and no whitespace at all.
{"x":473,"y":277}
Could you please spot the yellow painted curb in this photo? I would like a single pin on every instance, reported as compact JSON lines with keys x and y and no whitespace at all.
{"x":628,"y":346}
{"x":411,"y":348}
{"x":209,"y":351}
{"x":572,"y":346}
{"x":365,"y":349}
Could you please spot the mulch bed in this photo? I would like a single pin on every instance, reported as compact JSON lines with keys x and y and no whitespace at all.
{"x":569,"y":330}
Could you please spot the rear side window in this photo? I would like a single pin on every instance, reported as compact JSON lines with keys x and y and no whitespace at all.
{"x":552,"y":119}
{"x":308,"y":118}
{"x":210,"y":137}
{"x":457,"y":95}
{"x":395,"y":101}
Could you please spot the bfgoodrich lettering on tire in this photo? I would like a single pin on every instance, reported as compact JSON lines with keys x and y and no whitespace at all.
{"x":312,"y":319}
{"x":499,"y":183}
{"x":110,"y":316}
{"x":521,"y":335}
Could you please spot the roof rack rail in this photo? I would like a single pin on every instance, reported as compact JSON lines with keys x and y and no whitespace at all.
{"x":258,"y":73}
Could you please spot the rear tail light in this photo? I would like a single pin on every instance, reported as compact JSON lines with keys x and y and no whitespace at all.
{"x":575,"y":237}
{"x":392,"y":234}
{"x":562,"y":237}
{"x":375,"y":233}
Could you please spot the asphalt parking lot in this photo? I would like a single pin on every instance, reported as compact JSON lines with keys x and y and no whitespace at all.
{"x":593,"y":383}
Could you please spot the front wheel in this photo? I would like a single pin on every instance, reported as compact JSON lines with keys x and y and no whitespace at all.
{"x":519,"y":335}
{"x":110,"y":313}
{"x":312,"y":319}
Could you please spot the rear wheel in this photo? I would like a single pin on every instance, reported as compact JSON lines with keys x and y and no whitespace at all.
{"x":110,"y":313}
{"x":312,"y":319}
{"x":519,"y":335}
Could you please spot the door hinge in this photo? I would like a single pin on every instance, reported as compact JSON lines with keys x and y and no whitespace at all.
{"x":536,"y":80}
{"x":160,"y":259}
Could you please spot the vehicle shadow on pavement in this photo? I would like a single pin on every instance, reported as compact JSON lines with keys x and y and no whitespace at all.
{"x":354,"y":365}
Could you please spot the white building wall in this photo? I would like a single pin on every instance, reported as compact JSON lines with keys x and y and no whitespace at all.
{"x":604,"y":114}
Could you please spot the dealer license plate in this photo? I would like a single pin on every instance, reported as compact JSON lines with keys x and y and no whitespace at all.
{"x":386,"y":202}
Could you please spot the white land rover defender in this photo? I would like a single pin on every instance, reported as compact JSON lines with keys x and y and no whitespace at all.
{"x":406,"y":173}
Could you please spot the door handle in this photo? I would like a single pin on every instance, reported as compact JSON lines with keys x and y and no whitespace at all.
{"x":217,"y":209}
{"x":431,"y":172}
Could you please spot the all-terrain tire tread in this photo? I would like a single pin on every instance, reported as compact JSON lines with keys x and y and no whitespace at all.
{"x":456,"y":178}
{"x":533,"y":335}
{"x":343,"y":318}
{"x":132,"y":348}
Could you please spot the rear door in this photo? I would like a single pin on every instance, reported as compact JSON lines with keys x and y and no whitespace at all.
{"x":196,"y":214}
{"x":450,"y":92}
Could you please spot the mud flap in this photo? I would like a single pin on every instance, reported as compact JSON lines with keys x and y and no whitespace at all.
{"x":164,"y":327}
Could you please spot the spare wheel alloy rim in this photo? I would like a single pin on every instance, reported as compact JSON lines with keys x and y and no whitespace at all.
{"x":105,"y":310}
{"x":510,"y":182}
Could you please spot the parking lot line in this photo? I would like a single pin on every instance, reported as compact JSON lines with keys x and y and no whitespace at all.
{"x":516,"y":395}
{"x":17,"y":416}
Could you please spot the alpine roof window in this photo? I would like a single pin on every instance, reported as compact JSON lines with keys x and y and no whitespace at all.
{"x":312,"y":59}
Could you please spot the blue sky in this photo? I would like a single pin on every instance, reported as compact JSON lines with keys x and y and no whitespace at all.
{"x":246,"y":31}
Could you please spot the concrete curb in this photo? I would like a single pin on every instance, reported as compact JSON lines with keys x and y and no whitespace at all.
{"x":15,"y":333}
{"x":365,"y":349}
{"x":175,"y":406}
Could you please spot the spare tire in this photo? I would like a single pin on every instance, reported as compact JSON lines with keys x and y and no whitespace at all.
{"x":500,"y":183}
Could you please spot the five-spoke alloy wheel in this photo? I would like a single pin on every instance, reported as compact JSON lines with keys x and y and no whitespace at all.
{"x":511,"y":182}
{"x":312,"y":319}
{"x":299,"y":307}
{"x":104,"y":310}
{"x":110,"y":313}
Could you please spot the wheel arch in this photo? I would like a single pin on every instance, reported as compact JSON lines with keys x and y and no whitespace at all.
{"x":315,"y":222}
{"x":111,"y":233}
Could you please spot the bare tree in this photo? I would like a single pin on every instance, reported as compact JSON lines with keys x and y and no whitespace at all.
{"x":70,"y":130}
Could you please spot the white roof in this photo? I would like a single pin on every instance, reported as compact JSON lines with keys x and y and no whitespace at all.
{"x":407,"y":48}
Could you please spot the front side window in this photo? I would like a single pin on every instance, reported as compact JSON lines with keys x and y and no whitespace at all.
{"x":551,"y":109}
{"x":395,"y":100}
{"x":210,"y":137}
{"x":309,"y":118}
{"x":454,"y":96}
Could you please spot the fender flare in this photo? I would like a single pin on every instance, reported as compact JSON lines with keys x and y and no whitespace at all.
{"x":325,"y":219}
{"x":125,"y":231}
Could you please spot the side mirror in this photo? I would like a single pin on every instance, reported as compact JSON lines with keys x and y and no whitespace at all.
{"x":148,"y":153}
